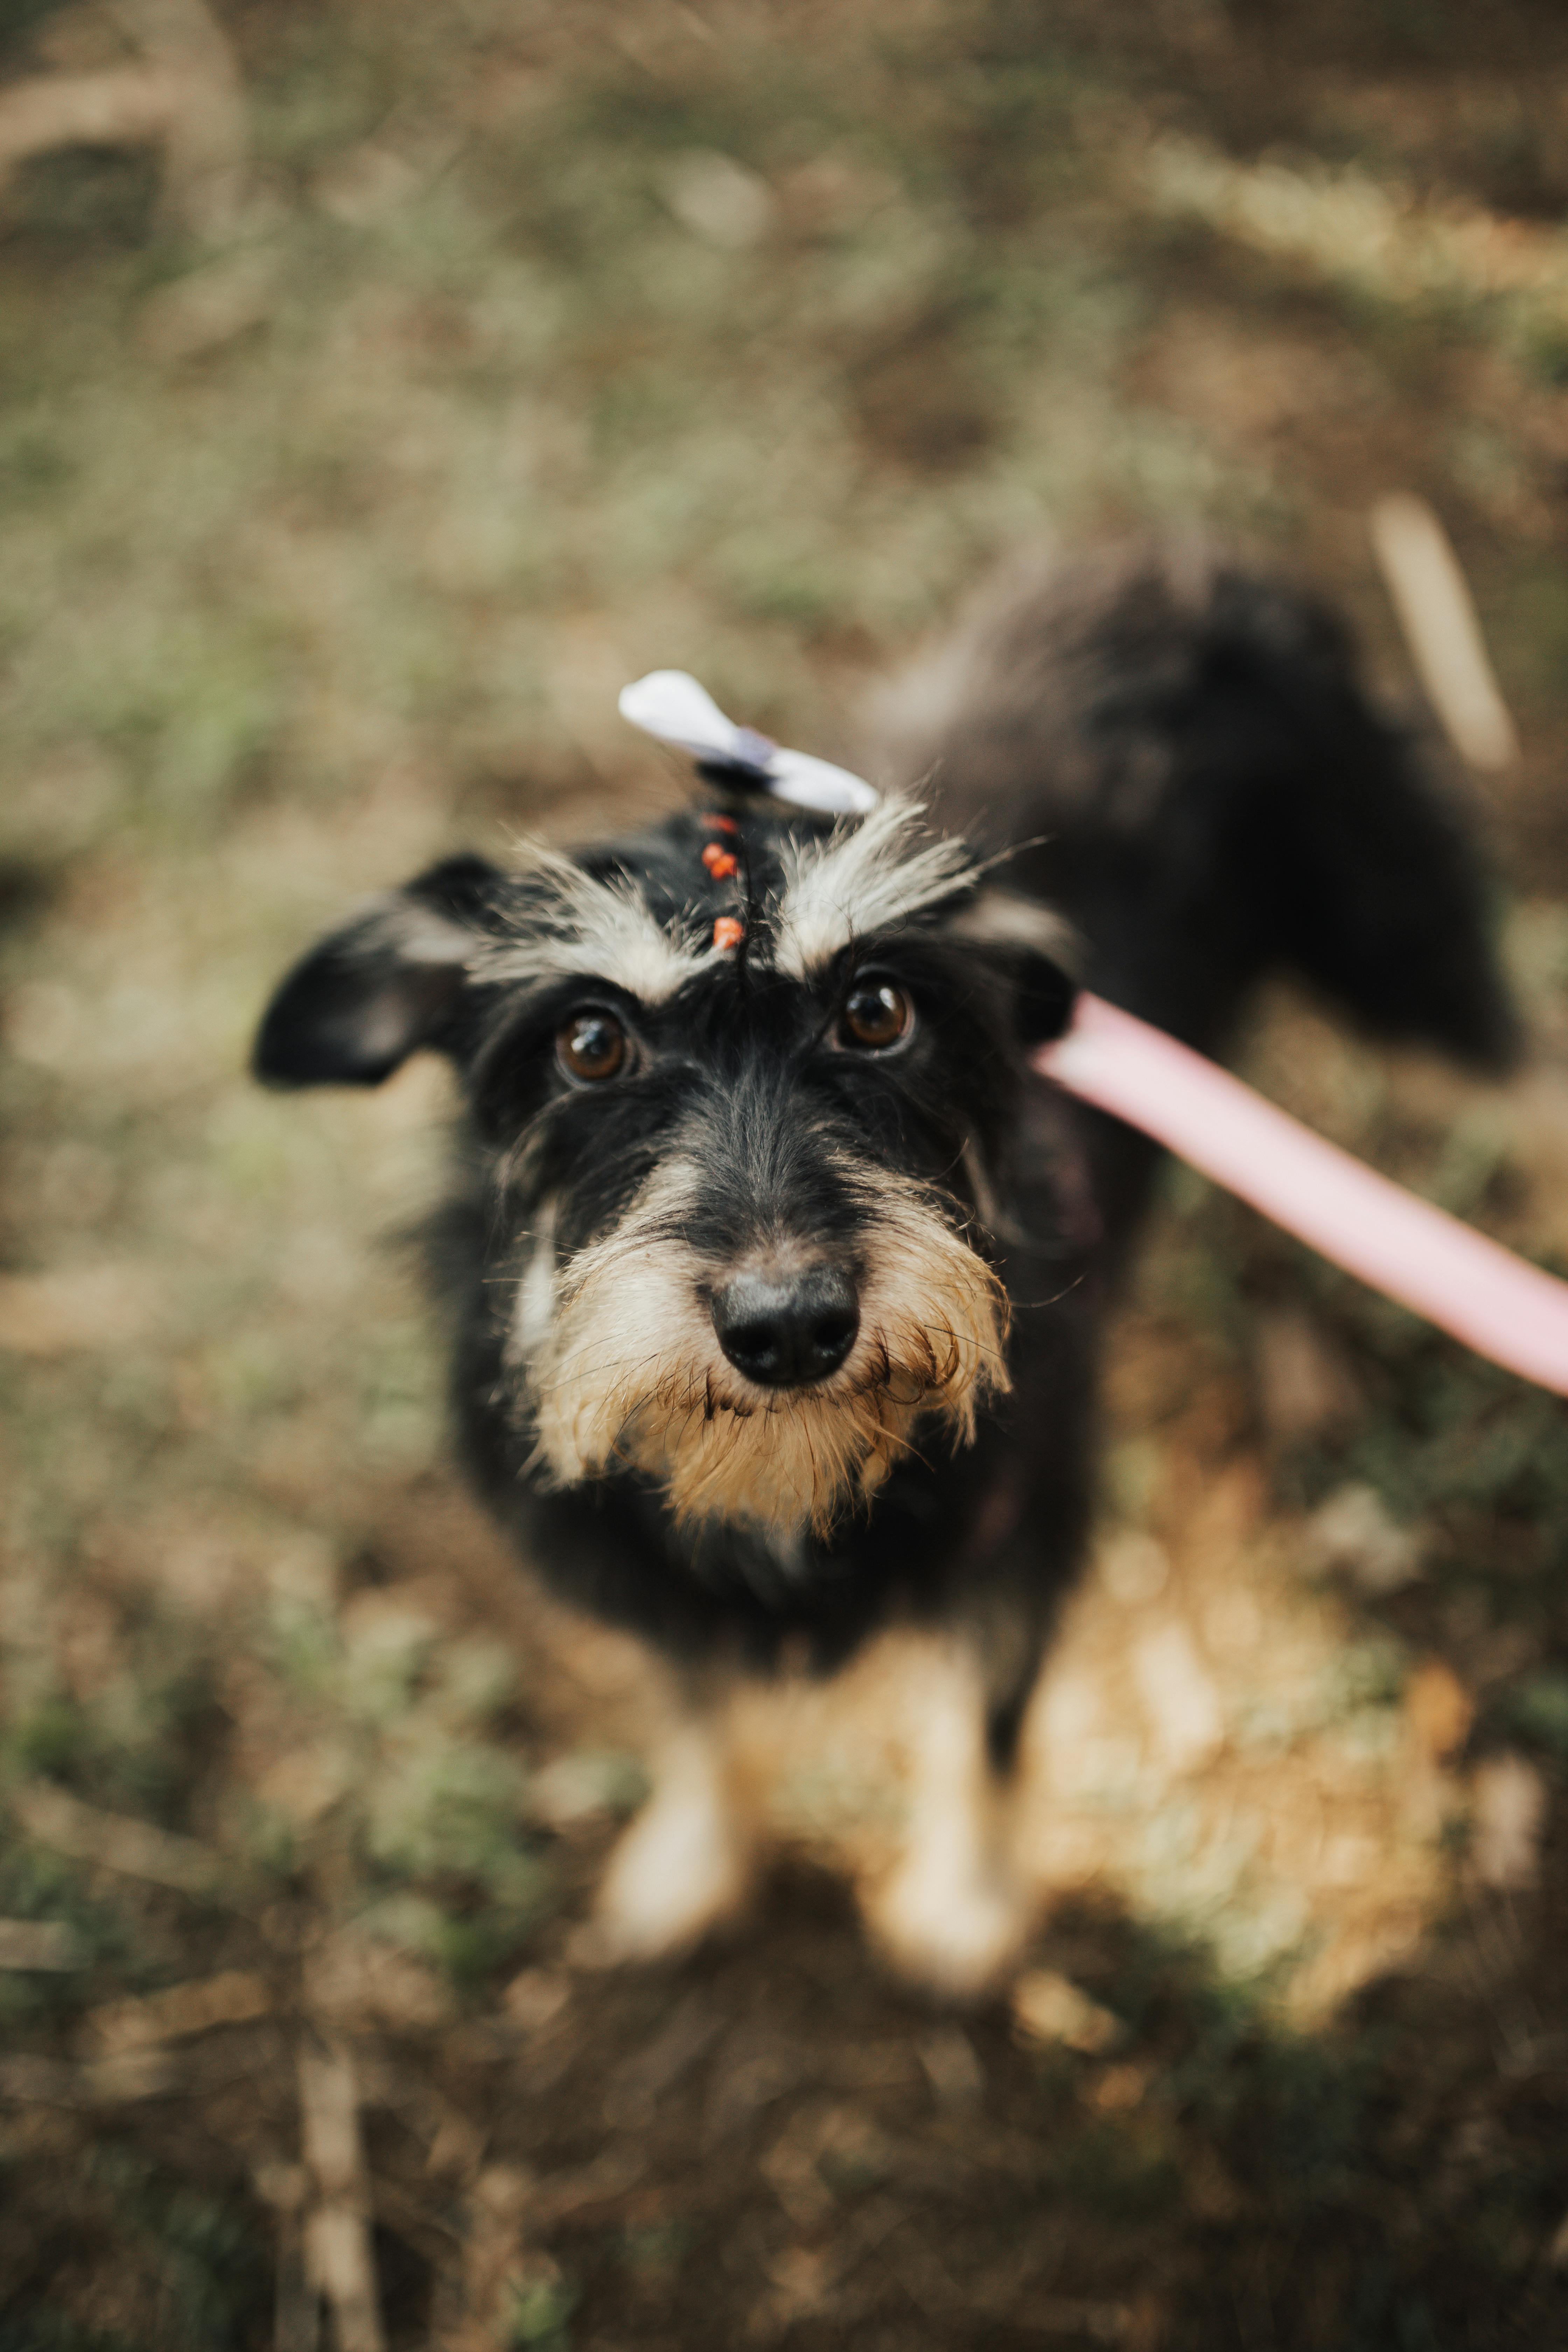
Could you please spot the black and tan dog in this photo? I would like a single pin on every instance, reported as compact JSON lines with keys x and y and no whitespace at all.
{"x":776,"y":1274}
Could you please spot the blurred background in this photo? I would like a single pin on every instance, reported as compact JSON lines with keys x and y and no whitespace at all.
{"x":380,"y":389}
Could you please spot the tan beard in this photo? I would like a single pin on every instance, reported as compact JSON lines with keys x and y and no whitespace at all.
{"x":631,"y":1375}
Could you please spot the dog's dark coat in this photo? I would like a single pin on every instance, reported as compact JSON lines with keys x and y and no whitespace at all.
{"x":1177,"y":755}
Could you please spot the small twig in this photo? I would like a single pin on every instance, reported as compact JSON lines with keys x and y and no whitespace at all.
{"x":39,"y":1944}
{"x":1439,"y":616}
{"x":337,"y":2231}
{"x":126,"y":107}
{"x":115,"y":1841}
{"x":296,"y":2310}
{"x":31,"y":2081}
{"x":234,"y":1997}
{"x":184,"y":95}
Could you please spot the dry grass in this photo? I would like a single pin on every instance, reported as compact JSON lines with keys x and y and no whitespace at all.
{"x":329,"y":547}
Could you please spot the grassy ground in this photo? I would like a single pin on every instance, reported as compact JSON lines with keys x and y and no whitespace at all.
{"x":555,"y":345}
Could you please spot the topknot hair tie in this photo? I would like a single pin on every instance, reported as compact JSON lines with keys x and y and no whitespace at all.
{"x":671,"y":704}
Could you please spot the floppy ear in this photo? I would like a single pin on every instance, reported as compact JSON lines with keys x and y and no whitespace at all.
{"x":388,"y":982}
{"x":1038,"y":952}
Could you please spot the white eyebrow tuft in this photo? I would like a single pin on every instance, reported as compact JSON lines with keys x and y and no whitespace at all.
{"x":859,"y":880}
{"x":600,"y":926}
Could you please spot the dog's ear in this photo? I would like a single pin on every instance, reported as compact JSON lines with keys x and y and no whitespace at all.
{"x":1043,"y":999}
{"x":1038,"y":952}
{"x":390,"y":982}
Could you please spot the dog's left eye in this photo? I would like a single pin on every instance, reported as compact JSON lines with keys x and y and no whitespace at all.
{"x":592,"y":1046}
{"x":876,"y":1015}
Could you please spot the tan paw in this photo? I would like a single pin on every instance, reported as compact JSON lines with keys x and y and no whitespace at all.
{"x":952,"y":1922}
{"x":685,"y":1864}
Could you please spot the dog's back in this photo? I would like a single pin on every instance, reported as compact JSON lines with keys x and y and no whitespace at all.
{"x":1175,"y":749}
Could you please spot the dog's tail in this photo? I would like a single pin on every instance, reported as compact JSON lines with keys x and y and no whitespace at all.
{"x":1179,"y":753}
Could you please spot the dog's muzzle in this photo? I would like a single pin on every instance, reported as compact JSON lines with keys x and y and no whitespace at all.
{"x":787,"y":1331}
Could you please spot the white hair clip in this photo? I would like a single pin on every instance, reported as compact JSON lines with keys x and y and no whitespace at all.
{"x":671,"y":704}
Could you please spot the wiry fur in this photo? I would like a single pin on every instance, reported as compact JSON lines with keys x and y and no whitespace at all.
{"x":864,"y":878}
{"x":599,"y":926}
{"x":632,"y":1375}
{"x":1168,"y":761}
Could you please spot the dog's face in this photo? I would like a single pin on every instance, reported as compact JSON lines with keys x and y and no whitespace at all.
{"x":743,"y":1089}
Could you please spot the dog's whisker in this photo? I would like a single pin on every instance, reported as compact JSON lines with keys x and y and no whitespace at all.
{"x":1036,"y":1306}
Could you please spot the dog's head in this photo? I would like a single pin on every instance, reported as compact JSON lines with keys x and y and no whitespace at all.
{"x":742,"y":1089}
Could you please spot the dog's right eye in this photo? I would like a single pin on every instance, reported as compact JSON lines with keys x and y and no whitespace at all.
{"x":876,"y":1015}
{"x":591,"y":1046}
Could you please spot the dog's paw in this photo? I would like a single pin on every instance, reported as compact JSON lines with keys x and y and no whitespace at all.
{"x":954,"y":1924}
{"x":686,"y":1864}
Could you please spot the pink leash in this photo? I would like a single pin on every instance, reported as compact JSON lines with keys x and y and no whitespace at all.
{"x":1473,"y":1287}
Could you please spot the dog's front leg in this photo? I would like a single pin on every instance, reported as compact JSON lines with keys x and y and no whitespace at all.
{"x":689,"y":1858}
{"x":952,"y":1913}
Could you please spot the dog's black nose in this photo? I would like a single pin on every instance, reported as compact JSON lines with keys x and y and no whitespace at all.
{"x":785,"y":1330}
